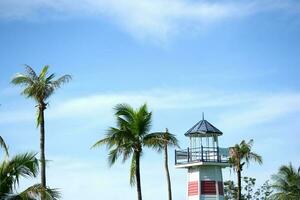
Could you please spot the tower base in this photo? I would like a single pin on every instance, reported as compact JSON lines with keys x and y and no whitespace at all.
{"x":205,"y":183}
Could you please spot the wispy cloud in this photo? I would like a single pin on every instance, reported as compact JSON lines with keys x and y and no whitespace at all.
{"x":264,"y":109}
{"x":151,"y":19}
{"x":242,"y":109}
{"x":156,"y":99}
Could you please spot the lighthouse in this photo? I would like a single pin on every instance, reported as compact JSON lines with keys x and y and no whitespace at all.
{"x":204,"y":160}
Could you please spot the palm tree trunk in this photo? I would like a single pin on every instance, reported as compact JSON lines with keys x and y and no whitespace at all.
{"x":168,"y":173}
{"x":137,"y":175}
{"x":42,"y":146}
{"x":239,"y":197}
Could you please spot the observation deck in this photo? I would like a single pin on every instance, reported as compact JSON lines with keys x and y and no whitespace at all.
{"x":201,"y":156}
{"x":204,"y":147}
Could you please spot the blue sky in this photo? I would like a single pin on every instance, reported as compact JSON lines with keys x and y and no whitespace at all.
{"x":237,"y":61}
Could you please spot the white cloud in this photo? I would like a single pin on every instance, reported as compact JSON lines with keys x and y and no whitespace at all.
{"x":262,"y":110}
{"x":156,"y":99}
{"x":152,"y":19}
{"x":241,"y":109}
{"x":89,"y":110}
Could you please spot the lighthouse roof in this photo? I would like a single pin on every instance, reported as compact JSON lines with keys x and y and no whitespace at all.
{"x":203,"y":128}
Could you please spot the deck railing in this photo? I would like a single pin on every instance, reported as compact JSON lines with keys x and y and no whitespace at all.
{"x":201,"y":154}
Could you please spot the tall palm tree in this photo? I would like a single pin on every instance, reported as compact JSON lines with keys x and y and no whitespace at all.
{"x":3,"y":146}
{"x":40,"y":88}
{"x":22,"y":165}
{"x":160,"y":141}
{"x":128,"y":138}
{"x":287,"y":183}
{"x":240,"y":155}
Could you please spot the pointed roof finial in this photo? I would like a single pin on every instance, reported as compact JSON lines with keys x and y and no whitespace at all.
{"x":202,"y":115}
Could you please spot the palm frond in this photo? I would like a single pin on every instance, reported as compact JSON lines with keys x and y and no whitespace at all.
{"x":21,"y":165}
{"x":30,"y":72}
{"x":172,"y":139}
{"x":126,"y":152}
{"x":114,"y":155}
{"x":50,"y":78}
{"x":33,"y":193}
{"x":44,"y":72}
{"x":126,"y":111}
{"x":60,"y":81}
{"x":38,"y":117}
{"x":101,"y":142}
{"x":286,"y":183}
{"x":132,"y":179}
{"x":21,"y":79}
{"x":254,"y":156}
{"x":25,"y":165}
{"x":123,"y":123}
{"x":4,"y":146}
{"x":39,"y":87}
{"x":250,"y":143}
{"x":155,"y":140}
{"x":158,"y":140}
{"x":38,"y":190}
{"x":143,"y":120}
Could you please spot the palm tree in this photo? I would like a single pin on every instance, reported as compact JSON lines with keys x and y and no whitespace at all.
{"x":240,"y":155}
{"x":287,"y":183}
{"x":3,"y":146}
{"x":22,"y":165}
{"x":40,"y":88}
{"x":128,"y":138}
{"x":160,"y":141}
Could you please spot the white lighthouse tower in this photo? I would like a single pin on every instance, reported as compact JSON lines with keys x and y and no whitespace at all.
{"x":204,"y":160}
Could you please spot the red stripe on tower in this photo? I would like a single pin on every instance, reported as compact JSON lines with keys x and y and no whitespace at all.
{"x":193,"y":188}
{"x":208,"y":187}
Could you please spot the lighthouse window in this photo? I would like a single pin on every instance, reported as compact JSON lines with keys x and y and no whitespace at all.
{"x":208,"y":187}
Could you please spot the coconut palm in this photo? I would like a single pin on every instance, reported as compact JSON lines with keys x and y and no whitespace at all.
{"x":286,"y":183}
{"x":161,"y":141}
{"x":128,"y":138}
{"x":3,"y":146}
{"x":240,"y":155}
{"x":22,"y":165}
{"x":40,"y":88}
